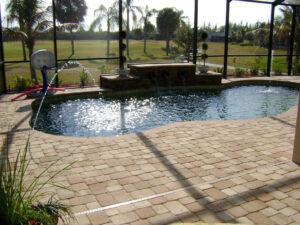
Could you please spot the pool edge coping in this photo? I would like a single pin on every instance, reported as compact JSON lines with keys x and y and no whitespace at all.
{"x":231,"y":83}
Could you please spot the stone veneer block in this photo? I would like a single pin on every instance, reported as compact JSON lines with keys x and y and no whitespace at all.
{"x":145,"y":76}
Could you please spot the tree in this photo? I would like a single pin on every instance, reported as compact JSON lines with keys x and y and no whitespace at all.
{"x":147,"y":26}
{"x":32,"y":19}
{"x":70,"y":13}
{"x":110,"y":14}
{"x":261,"y":32}
{"x":130,"y":9}
{"x":167,"y":22}
{"x":285,"y":29}
{"x":138,"y":33}
{"x":11,"y":33}
{"x":184,"y":40}
{"x":242,"y":32}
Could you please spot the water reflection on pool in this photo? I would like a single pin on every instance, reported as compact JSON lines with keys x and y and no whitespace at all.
{"x":123,"y":114}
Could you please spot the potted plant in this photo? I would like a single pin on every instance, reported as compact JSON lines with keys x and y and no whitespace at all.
{"x":123,"y":72}
{"x":51,"y":211}
{"x":203,"y":68}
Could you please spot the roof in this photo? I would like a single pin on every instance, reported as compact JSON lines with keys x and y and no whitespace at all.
{"x":279,"y":2}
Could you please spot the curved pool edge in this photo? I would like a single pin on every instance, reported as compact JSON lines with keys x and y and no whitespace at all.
{"x":153,"y":131}
{"x":229,"y":83}
{"x":261,"y":154}
{"x":226,"y":83}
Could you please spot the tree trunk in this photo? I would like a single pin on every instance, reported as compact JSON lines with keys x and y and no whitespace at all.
{"x":24,"y":50}
{"x":288,"y":48}
{"x":127,"y":35}
{"x":108,"y":39}
{"x":72,"y":41}
{"x":168,"y":45}
{"x":297,"y":51}
{"x":145,"y":44}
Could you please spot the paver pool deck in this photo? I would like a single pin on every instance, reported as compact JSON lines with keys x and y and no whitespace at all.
{"x":203,"y":171}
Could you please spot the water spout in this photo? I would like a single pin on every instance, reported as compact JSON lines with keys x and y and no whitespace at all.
{"x":166,"y":76}
{"x":85,"y":69}
{"x":153,"y":78}
{"x":183,"y":79}
{"x":64,"y":66}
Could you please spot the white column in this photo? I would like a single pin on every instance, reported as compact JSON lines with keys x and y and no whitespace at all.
{"x":296,"y":153}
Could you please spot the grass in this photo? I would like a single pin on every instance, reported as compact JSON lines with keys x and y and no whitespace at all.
{"x":155,"y":53}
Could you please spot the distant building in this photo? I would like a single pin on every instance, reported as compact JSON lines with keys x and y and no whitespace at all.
{"x":216,"y":36}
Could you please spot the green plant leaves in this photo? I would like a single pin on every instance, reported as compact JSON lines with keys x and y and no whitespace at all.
{"x":18,"y":201}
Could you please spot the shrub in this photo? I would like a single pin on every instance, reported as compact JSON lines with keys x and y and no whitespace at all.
{"x":277,"y":71}
{"x":246,"y":43}
{"x":106,"y":69}
{"x":204,"y":35}
{"x":184,"y":42}
{"x":254,"y":68}
{"x":296,"y":68}
{"x":204,"y":55}
{"x":22,"y":83}
{"x":219,"y":70}
{"x":239,"y":71}
{"x":84,"y":78}
{"x":204,"y":46}
{"x":264,"y":71}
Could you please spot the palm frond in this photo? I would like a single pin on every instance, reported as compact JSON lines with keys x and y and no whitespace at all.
{"x":101,"y":11}
{"x":95,"y":23}
{"x":138,"y":8}
{"x":42,"y":26}
{"x":16,"y":33}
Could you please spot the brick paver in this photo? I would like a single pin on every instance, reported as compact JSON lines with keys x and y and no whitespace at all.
{"x":201,"y":171}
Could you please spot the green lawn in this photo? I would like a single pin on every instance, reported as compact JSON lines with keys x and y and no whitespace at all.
{"x":155,"y":53}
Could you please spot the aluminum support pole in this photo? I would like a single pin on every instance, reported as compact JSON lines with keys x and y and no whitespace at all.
{"x":270,"y":47}
{"x":121,"y":36}
{"x":2,"y":65}
{"x":226,"y":38}
{"x":55,"y":41}
{"x":195,"y":33}
{"x":292,"y":39}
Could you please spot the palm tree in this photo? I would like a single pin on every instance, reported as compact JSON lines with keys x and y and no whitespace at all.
{"x":110,"y":14}
{"x":70,"y":13}
{"x":261,"y":33}
{"x":181,"y":18}
{"x":130,"y":9}
{"x":146,"y":14}
{"x":242,"y":31}
{"x":31,"y":19}
{"x":285,"y":29}
{"x":168,"y":21}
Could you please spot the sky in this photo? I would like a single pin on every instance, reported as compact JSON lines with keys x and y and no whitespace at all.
{"x":210,"y":11}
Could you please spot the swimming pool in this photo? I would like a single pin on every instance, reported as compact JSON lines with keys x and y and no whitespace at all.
{"x":110,"y":115}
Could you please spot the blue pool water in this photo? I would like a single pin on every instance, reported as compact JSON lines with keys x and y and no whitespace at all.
{"x":130,"y":113}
